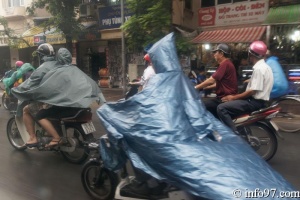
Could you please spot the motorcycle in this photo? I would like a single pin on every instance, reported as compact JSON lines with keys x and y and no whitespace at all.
{"x":75,"y":131}
{"x":103,"y":184}
{"x":259,"y":131}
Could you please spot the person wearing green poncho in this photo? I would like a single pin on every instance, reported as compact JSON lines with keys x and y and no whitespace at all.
{"x":22,"y":72}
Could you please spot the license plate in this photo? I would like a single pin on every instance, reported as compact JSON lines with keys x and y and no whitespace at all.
{"x":88,"y":127}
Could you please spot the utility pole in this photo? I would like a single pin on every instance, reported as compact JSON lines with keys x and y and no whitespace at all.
{"x":123,"y":50}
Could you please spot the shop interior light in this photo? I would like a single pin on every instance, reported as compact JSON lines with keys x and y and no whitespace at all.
{"x":296,"y":36}
{"x":207,"y":46}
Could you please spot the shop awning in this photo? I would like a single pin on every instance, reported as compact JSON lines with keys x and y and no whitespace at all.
{"x":247,"y":34}
{"x":28,"y":36}
{"x":283,"y":15}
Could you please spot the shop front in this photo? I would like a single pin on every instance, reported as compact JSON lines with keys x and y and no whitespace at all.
{"x":236,"y":24}
{"x":109,"y":27}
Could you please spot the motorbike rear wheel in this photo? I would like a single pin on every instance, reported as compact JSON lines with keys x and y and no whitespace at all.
{"x":81,"y":152}
{"x":98,"y":182}
{"x":262,"y":139}
{"x":13,"y":135}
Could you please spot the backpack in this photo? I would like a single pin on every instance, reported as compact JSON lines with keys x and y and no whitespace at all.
{"x":281,"y":84}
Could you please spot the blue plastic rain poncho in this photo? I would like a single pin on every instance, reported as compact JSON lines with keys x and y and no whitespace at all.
{"x":59,"y":83}
{"x":167,"y":133}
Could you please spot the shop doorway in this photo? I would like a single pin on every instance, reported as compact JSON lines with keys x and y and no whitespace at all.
{"x":98,"y":61}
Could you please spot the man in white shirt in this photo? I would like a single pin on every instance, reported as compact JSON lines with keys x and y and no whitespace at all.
{"x":257,"y":92}
{"x":148,"y":73}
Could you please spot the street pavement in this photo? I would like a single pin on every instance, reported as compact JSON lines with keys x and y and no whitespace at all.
{"x":34,"y":175}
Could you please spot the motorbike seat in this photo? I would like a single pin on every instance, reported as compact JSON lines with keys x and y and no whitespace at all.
{"x":264,"y":109}
{"x":83,"y":115}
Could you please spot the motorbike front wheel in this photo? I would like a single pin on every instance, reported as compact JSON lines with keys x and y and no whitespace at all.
{"x":81,"y":152}
{"x":98,"y":182}
{"x":13,"y":135}
{"x":261,"y":138}
{"x":5,"y":101}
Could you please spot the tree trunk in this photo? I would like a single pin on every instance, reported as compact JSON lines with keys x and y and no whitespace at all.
{"x":69,"y":43}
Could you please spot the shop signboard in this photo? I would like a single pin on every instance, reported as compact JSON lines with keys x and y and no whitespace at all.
{"x":90,"y":35}
{"x":55,"y":38}
{"x":110,"y":16}
{"x":39,"y":39}
{"x":233,"y":14}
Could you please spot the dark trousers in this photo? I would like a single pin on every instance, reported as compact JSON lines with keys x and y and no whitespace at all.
{"x":231,"y":109}
{"x":211,"y":105}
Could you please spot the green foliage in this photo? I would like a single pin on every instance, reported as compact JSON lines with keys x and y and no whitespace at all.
{"x":184,"y":46}
{"x":13,"y":39}
{"x":63,"y":15}
{"x":150,"y":22}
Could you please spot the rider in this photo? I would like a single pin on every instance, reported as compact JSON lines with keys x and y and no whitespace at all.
{"x":224,"y":79}
{"x":22,"y":72}
{"x":148,"y":73}
{"x":46,"y":56}
{"x":257,"y":92}
{"x":60,"y":90}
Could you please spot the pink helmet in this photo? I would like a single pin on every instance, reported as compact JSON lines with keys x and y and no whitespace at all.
{"x":19,"y":63}
{"x":258,"y":49}
{"x":147,"y":58}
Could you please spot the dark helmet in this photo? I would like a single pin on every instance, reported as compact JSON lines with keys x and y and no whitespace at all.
{"x":222,"y":47}
{"x":258,"y":49}
{"x":45,"y":50}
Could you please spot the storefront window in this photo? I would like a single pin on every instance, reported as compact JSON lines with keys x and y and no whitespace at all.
{"x":188,"y":4}
{"x":224,"y":1}
{"x":205,"y":3}
{"x":285,"y":43}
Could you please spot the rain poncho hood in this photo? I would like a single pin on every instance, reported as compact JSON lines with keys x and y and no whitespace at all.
{"x":166,"y":132}
{"x":59,"y":83}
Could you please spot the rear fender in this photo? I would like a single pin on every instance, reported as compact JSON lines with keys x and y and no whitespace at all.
{"x":272,"y":126}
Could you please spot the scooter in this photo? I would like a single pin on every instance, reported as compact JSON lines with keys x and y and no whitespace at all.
{"x":75,"y":131}
{"x":259,"y":131}
{"x":103,"y":184}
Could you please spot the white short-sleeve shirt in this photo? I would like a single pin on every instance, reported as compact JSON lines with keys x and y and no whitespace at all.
{"x":148,"y":73}
{"x":261,"y":80}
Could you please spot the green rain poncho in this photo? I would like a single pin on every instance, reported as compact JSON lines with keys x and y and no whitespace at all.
{"x":8,"y":82}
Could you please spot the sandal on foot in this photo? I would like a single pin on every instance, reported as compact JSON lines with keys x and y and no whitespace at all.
{"x":53,"y":143}
{"x":30,"y":145}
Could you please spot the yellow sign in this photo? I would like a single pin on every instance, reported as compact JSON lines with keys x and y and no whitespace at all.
{"x":55,"y":39}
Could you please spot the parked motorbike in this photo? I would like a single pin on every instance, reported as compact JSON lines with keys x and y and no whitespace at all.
{"x":259,"y":131}
{"x":75,"y":131}
{"x":103,"y":184}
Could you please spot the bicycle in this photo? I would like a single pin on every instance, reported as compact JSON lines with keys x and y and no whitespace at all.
{"x":289,"y":115}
